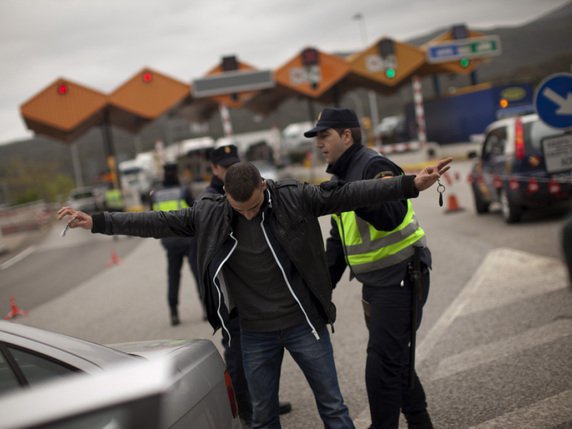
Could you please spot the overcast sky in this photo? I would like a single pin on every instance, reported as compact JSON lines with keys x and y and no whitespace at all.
{"x":102,"y":43}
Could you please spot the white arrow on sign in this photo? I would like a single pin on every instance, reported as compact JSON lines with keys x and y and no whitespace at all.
{"x":564,"y":103}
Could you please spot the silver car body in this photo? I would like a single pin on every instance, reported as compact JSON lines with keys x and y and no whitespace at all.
{"x":198,"y":395}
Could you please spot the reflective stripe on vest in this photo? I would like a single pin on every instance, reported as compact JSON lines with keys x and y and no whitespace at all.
{"x":168,"y":199}
{"x":369,"y":249}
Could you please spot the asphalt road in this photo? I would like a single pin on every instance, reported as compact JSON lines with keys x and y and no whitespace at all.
{"x":494,"y":344}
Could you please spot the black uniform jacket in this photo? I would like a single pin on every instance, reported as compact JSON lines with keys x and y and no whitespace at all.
{"x":290,"y":217}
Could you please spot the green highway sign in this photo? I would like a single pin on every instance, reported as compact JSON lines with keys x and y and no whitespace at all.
{"x":451,"y":50}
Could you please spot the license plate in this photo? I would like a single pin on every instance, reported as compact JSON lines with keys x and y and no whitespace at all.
{"x":558,"y":153}
{"x":563,"y":177}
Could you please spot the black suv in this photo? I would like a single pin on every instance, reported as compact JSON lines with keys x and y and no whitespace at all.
{"x":524,"y":164}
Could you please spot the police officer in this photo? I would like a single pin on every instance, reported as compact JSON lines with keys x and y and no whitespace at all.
{"x":378,"y":243}
{"x":173,"y":196}
{"x":113,"y":199}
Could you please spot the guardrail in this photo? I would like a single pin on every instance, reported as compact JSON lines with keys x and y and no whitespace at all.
{"x":24,"y":217}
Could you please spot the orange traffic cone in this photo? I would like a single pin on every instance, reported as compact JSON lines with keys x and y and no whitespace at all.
{"x":452,"y":202}
{"x":114,"y":260}
{"x":14,"y":309}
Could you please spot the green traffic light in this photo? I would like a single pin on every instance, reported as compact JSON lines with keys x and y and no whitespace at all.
{"x":464,"y":62}
{"x":390,"y":73}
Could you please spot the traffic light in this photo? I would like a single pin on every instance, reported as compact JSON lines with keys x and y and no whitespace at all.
{"x":229,"y":63}
{"x":62,"y":89}
{"x":311,"y":61}
{"x":390,"y":73}
{"x":310,"y":57}
{"x":386,"y":49}
{"x":459,"y":31}
{"x":464,"y":63}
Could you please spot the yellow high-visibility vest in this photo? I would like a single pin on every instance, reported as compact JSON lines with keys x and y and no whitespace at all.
{"x":168,"y":199}
{"x":113,"y":199}
{"x":369,"y":249}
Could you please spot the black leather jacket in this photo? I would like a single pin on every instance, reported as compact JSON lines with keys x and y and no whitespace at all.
{"x":289,"y":216}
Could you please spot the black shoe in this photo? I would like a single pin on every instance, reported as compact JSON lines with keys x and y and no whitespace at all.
{"x":174,"y":316}
{"x":419,"y":420}
{"x":284,"y":407}
{"x":175,"y":320}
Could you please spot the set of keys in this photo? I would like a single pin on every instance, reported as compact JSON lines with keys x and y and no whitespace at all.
{"x":441,"y":191}
{"x":66,"y":228}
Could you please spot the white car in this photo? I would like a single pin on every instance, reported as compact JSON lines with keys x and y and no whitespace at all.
{"x":87,"y":199}
{"x":199,"y":393}
{"x":293,"y":140}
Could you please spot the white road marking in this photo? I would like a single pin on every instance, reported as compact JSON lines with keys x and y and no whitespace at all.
{"x":548,"y":413}
{"x":14,"y":260}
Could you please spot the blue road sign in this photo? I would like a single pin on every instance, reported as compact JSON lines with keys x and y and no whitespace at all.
{"x":553,"y":100}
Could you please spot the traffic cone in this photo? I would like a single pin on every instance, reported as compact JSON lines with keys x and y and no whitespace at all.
{"x":452,"y":202}
{"x":14,"y":309}
{"x":114,"y":260}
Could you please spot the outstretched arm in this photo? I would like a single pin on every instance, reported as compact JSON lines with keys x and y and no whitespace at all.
{"x":429,"y":175}
{"x":78,"y":219}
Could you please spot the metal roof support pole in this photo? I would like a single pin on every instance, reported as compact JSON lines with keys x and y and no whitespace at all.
{"x":107,"y":134}
{"x":74,"y":149}
{"x":312,"y":113}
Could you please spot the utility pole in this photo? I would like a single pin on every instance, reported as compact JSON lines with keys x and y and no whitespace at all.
{"x":371,"y":94}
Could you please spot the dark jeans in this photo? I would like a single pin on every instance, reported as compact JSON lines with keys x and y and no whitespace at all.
{"x":262,"y":354}
{"x":179,"y":248}
{"x":387,"y":364}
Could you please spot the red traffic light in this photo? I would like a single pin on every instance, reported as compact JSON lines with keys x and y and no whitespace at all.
{"x":147,"y":77}
{"x":62,"y":89}
{"x":310,"y":57}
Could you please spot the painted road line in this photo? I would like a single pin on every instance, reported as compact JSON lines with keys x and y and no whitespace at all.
{"x":15,"y":259}
{"x":503,"y":348}
{"x":517,"y":276}
{"x":548,"y":413}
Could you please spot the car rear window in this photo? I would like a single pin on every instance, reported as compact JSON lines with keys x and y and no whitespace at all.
{"x":80,"y":195}
{"x":535,"y":132}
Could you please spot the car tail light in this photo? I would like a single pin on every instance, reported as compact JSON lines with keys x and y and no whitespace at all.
{"x":497,"y":182}
{"x":230,"y":392}
{"x":533,"y":186}
{"x":554,"y":186}
{"x":518,"y":139}
{"x":513,"y":184}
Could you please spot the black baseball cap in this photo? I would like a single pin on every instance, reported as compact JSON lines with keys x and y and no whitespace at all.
{"x":225,"y":156}
{"x":334,"y":118}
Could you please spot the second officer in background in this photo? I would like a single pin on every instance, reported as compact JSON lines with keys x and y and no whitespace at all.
{"x":172,"y":196}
